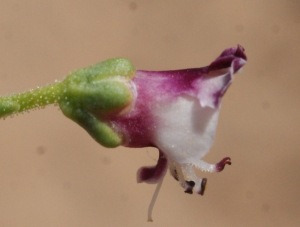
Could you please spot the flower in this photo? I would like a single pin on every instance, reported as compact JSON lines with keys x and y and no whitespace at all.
{"x":177,"y":112}
{"x":174,"y":111}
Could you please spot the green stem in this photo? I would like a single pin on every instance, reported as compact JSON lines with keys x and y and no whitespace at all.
{"x":32,"y":99}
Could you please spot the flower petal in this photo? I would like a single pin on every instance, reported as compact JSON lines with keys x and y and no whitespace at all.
{"x":185,"y":130}
{"x":231,"y":57}
{"x":152,"y":174}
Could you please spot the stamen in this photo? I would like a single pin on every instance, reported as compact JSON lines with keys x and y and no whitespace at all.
{"x":154,"y":197}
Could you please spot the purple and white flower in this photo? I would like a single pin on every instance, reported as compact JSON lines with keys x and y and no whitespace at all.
{"x":174,"y":111}
{"x":177,"y":112}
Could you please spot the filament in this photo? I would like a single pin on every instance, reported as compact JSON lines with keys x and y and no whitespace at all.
{"x":154,"y":197}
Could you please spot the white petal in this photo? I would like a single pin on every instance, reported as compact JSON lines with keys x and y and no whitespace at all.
{"x":185,"y":130}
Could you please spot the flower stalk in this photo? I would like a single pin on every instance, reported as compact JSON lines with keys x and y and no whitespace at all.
{"x":33,"y":99}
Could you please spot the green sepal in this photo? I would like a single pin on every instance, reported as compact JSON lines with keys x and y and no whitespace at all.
{"x":100,"y":131}
{"x":102,"y":70}
{"x":103,"y":95}
{"x":101,"y":89}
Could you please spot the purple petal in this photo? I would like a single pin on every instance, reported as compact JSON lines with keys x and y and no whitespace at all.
{"x":152,"y":174}
{"x":235,"y":56}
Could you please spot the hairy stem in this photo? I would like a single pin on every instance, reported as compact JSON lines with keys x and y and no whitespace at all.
{"x":32,"y":99}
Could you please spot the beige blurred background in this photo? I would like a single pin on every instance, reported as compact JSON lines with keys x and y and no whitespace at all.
{"x":53,"y":174}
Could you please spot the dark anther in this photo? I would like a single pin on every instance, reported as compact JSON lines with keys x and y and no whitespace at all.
{"x":189,"y":191}
{"x":203,"y":185}
{"x":190,"y":183}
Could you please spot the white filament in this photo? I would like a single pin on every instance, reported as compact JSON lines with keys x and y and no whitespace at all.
{"x":154,"y":197}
